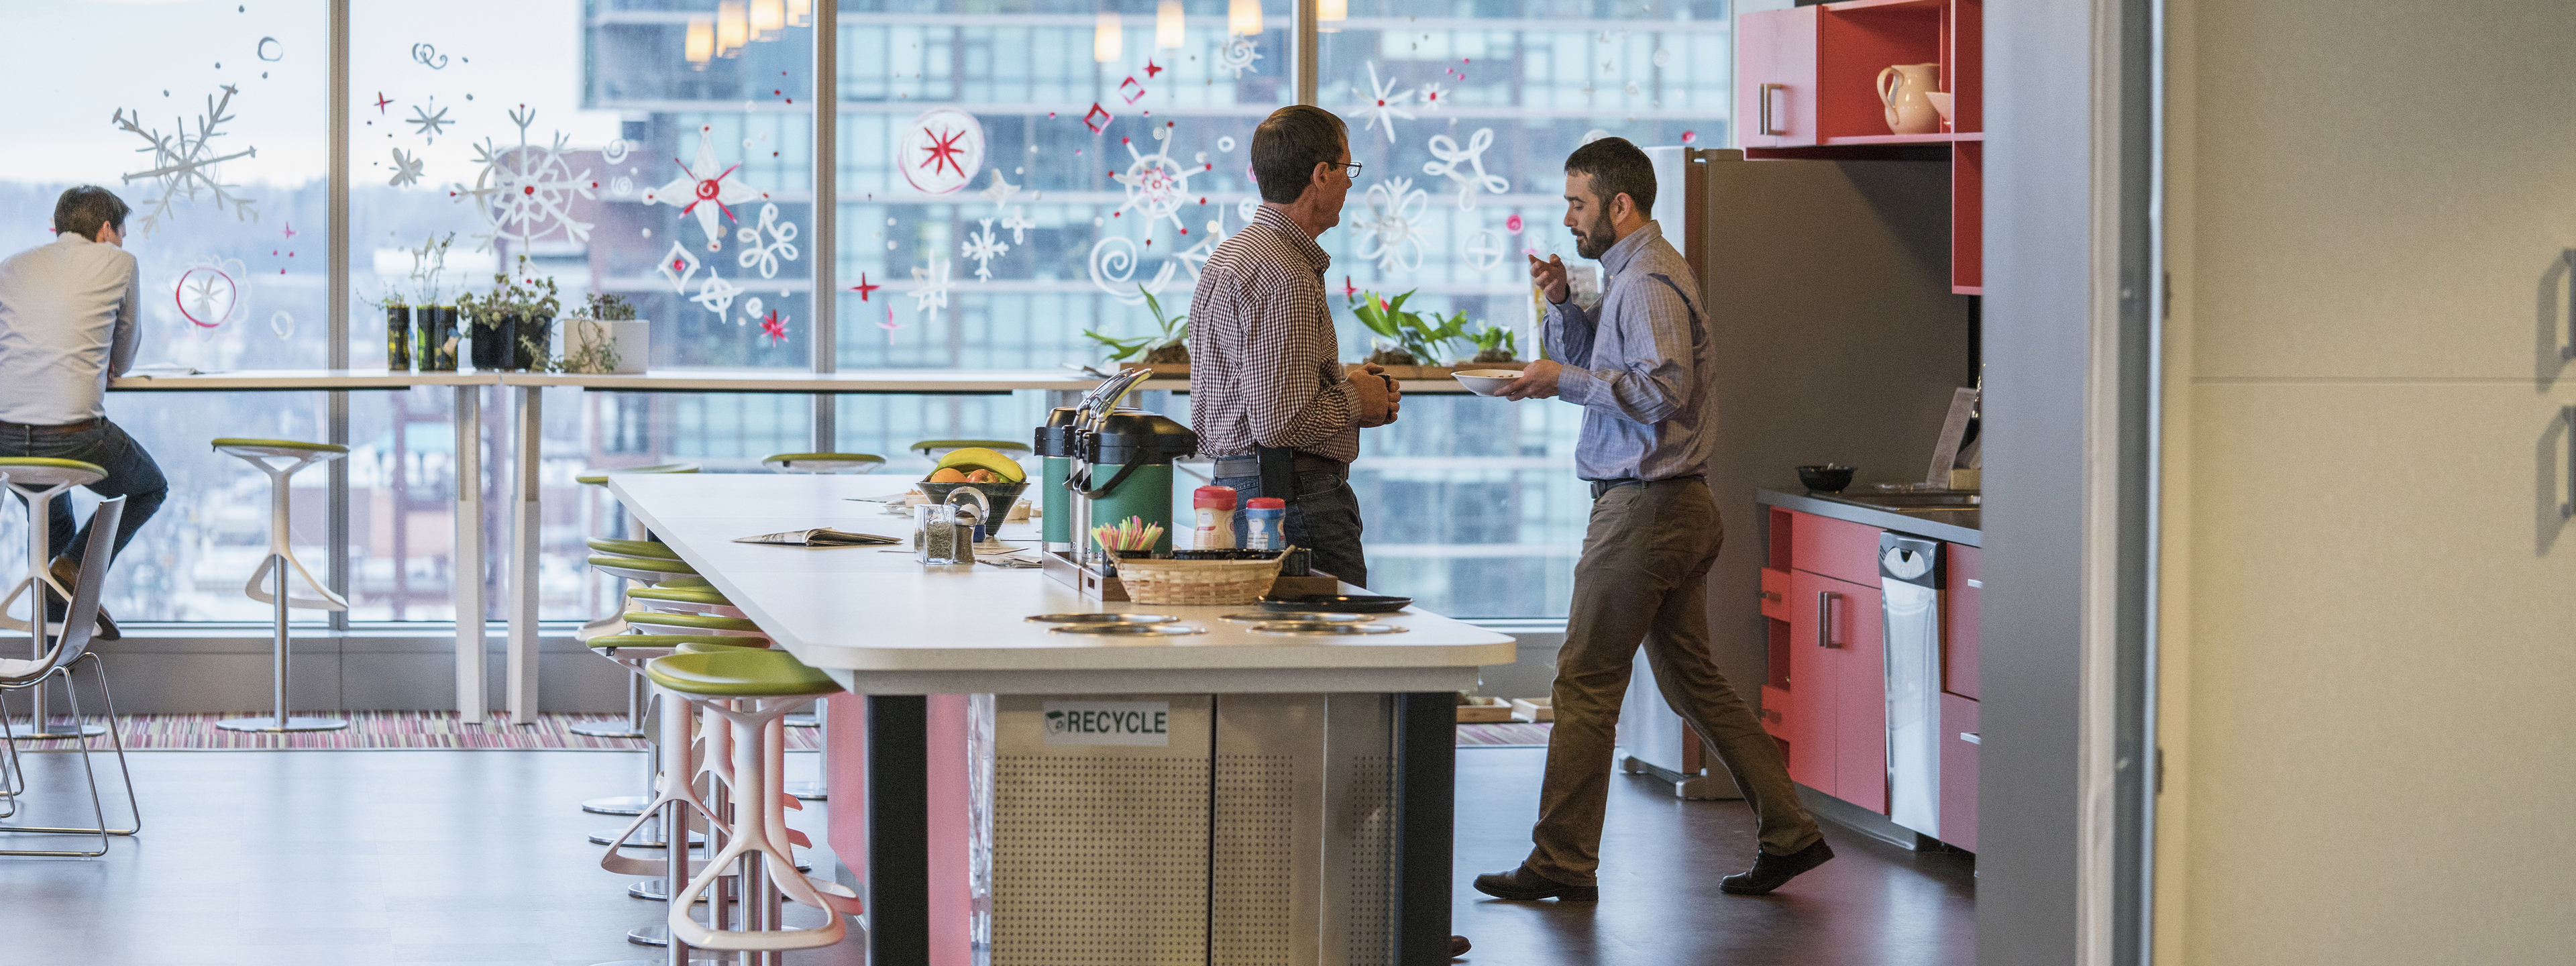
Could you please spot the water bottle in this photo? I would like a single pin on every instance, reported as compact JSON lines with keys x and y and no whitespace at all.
{"x":1263,"y":518}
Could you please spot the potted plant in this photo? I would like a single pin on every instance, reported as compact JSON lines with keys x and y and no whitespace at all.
{"x":514,"y":323}
{"x":1496,"y":346}
{"x":1418,"y":337}
{"x":433,"y":329}
{"x":1166,"y":351}
{"x":603,"y":337}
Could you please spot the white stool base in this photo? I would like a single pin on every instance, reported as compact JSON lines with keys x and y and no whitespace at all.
{"x":53,"y":731}
{"x":616,"y":805}
{"x":655,"y":890}
{"x":272,"y":725}
{"x":648,"y":837}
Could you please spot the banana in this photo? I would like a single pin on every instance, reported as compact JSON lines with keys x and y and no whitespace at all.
{"x":980,"y":458}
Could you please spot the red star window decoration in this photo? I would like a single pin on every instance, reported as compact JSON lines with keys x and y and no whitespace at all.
{"x":863,"y":288}
{"x":943,"y":152}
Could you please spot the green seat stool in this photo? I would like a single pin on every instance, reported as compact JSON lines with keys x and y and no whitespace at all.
{"x":748,"y":690}
{"x":844,"y":463}
{"x":281,"y":459}
{"x":652,"y":571}
{"x":70,"y":644}
{"x":660,"y":622}
{"x":39,"y":480}
{"x":636,"y":698}
{"x":681,"y":600}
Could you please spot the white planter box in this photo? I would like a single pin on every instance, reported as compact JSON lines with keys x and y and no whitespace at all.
{"x":630,"y":338}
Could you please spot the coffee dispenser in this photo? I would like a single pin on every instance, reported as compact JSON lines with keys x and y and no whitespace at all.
{"x":1055,"y":449}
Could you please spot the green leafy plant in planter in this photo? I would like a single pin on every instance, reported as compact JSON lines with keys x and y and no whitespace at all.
{"x":1169,"y":345}
{"x":1418,"y":337}
{"x":596,"y":355}
{"x":1496,"y":344}
{"x":514,"y":322}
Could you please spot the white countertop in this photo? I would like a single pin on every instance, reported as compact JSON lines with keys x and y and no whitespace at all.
{"x":882,"y":624}
{"x":276,"y":379}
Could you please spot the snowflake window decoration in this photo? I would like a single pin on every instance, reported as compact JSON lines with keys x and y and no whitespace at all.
{"x":1156,"y":183}
{"x":1452,"y":157}
{"x":1386,"y":105}
{"x":1019,"y":224}
{"x":1196,"y":258}
{"x":705,"y":190}
{"x":1000,"y":191}
{"x":1114,"y":260}
{"x":213,"y":292}
{"x":779,"y":243}
{"x":1484,"y":250}
{"x":1237,"y":55}
{"x":716,"y":295}
{"x":182,"y":163}
{"x":941,"y":151}
{"x":679,"y":265}
{"x":428,"y":125}
{"x":774,"y":326}
{"x":981,"y":248}
{"x":1392,"y":232}
{"x":406,"y":169}
{"x":930,"y":287}
{"x":751,"y":309}
{"x":525,"y":193}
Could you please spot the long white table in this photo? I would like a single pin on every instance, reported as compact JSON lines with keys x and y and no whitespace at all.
{"x":1299,"y":806}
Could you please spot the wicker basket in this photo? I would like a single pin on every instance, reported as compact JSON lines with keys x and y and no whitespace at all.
{"x":1197,"y":581}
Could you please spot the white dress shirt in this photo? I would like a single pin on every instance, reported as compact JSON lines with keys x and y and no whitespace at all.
{"x":67,"y":324}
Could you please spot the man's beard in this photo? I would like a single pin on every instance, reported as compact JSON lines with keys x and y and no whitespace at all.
{"x":1595,"y":239}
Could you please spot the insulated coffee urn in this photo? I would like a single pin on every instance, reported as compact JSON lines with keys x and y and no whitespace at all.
{"x":1056,"y":449}
{"x":1126,"y":470}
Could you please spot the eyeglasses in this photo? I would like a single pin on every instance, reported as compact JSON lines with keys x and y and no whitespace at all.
{"x":1351,"y":170}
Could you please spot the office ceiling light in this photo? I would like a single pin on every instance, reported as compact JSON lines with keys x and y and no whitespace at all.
{"x":1106,"y":41}
{"x":1243,"y":17}
{"x":732,"y":29}
{"x":701,"y":45}
{"x":1330,"y":10}
{"x":768,"y":17}
{"x":799,"y":12}
{"x":1168,"y":25}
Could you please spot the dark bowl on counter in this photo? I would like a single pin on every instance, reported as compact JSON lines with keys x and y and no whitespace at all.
{"x":1825,"y":479}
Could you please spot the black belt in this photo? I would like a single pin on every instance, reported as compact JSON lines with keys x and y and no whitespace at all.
{"x":1251,"y":465}
{"x":80,"y":427}
{"x":1604,"y":486}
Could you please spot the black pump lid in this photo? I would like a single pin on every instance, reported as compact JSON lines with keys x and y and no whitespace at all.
{"x":1138,"y":437}
{"x":1055,"y":438}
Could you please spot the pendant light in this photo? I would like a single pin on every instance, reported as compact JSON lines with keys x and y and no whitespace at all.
{"x":1106,"y":41}
{"x":732,"y":28}
{"x":701,"y":44}
{"x":768,"y":17}
{"x":1168,"y":25}
{"x":1243,"y":17}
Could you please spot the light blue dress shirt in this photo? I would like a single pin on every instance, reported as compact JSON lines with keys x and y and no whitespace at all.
{"x":67,"y":324}
{"x":1639,"y":364}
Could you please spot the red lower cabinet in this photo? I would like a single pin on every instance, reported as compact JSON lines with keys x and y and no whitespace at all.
{"x":1838,"y":727}
{"x":1959,"y":744}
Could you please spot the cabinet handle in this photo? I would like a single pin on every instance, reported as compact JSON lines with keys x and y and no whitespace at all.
{"x":1825,"y":618}
{"x":1970,"y":737}
{"x":2568,"y":509}
{"x":1764,"y":125}
{"x":1766,"y":595}
{"x":1978,"y":584}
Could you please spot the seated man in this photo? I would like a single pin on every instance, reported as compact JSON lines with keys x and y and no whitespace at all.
{"x":68,"y":314}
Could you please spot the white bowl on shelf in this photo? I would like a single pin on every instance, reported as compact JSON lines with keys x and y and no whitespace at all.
{"x":1486,"y":382}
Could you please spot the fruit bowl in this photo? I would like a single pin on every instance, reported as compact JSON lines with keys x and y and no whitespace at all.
{"x":1002,"y":495}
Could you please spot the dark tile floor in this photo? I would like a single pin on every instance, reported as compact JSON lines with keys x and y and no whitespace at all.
{"x":1874,"y":905}
{"x":354,"y":858}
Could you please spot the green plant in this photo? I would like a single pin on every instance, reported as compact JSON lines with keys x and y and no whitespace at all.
{"x":1417,"y":341}
{"x":606,"y":307}
{"x":597,"y":354}
{"x":1169,"y":344}
{"x":1496,"y":344}
{"x":428,"y":264}
{"x":530,"y":297}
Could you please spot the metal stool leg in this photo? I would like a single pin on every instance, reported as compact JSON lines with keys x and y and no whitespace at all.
{"x":98,"y":808}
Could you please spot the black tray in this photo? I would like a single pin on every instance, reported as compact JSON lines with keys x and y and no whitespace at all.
{"x":1337,"y":603}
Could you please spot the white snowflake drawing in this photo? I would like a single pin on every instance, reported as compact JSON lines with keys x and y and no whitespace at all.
{"x":1484,"y":250}
{"x":1472,"y":157}
{"x":1019,"y":224}
{"x":1392,"y":232}
{"x":1237,"y":55}
{"x":771,"y":241}
{"x":751,"y":309}
{"x":525,"y":193}
{"x":1386,"y":104}
{"x":428,"y":125}
{"x":406,"y":169}
{"x":183,"y":163}
{"x":1156,"y":183}
{"x":1114,"y":261}
{"x":705,"y":190}
{"x":716,"y":295}
{"x":1196,"y":258}
{"x":930,"y":287}
{"x":213,"y":292}
{"x":1248,"y":208}
{"x":981,"y":248}
{"x":1000,"y":191}
{"x":1433,"y":96}
{"x":679,"y":265}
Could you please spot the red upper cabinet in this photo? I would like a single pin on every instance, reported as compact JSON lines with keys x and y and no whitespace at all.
{"x":1775,"y":78}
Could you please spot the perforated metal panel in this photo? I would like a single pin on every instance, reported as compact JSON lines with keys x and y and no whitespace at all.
{"x":1100,"y":861}
{"x":1252,"y":913}
{"x":1368,"y":859}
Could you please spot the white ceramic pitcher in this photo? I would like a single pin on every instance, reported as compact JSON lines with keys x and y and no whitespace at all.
{"x":1901,"y":87}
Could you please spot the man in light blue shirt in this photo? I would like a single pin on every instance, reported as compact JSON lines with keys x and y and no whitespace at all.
{"x":1640,"y":365}
{"x":68,"y":317}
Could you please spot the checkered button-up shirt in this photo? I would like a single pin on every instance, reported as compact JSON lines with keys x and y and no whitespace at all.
{"x":1265,"y":367}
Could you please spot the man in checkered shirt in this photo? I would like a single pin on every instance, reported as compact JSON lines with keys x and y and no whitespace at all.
{"x":1269,"y":395}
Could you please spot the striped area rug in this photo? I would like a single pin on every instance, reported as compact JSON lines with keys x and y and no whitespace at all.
{"x":385,"y":730}
{"x":400,"y":730}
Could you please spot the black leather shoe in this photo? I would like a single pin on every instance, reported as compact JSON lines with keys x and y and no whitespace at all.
{"x":1524,"y":885}
{"x":68,"y":573}
{"x":1458,"y":946}
{"x":1773,"y":871}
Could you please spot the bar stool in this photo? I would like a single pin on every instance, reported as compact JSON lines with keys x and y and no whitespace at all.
{"x":749,"y":690}
{"x":676,"y":793}
{"x":661,"y":622}
{"x":281,"y":557}
{"x":844,"y":463}
{"x":71,"y":640}
{"x":38,"y":480}
{"x":653,"y":565}
{"x":612,"y":623}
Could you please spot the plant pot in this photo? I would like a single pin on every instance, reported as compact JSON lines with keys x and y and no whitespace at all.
{"x":489,"y":345}
{"x":398,"y":338}
{"x":434,"y":346}
{"x":531,"y":344}
{"x":629,"y":340}
{"x":1179,"y":370}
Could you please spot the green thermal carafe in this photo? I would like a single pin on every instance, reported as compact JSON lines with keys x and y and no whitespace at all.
{"x":1131,"y":458}
{"x":1055,"y":446}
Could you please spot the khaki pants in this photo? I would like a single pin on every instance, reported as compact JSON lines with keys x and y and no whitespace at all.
{"x":1644,"y":578}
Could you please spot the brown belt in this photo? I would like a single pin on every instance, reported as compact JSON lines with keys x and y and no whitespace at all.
{"x":80,"y":427}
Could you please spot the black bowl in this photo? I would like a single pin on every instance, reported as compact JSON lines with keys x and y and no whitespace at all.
{"x":1825,"y":479}
{"x":1336,"y":603}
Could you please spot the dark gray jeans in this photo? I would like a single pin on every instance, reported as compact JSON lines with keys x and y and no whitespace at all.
{"x":1323,"y":517}
{"x":130,"y":474}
